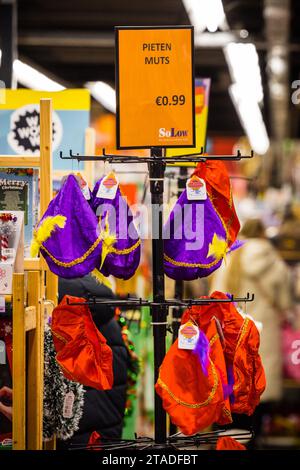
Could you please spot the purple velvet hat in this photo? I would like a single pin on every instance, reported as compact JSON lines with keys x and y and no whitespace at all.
{"x":116,"y":218}
{"x":68,"y":235}
{"x":195,"y":239}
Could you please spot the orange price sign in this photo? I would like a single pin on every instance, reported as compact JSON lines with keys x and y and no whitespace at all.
{"x":155,"y":87}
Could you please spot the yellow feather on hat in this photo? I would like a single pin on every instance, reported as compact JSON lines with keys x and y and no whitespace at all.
{"x":44,"y":231}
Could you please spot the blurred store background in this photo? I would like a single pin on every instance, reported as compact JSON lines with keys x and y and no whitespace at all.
{"x":250,"y":50}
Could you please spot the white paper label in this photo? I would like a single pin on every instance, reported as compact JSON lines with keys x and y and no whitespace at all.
{"x":2,"y":304}
{"x":196,"y":189}
{"x":188,"y":336}
{"x":8,"y":252}
{"x":108,"y":187}
{"x":2,"y":352}
{"x":86,"y":192}
{"x":68,"y":405}
{"x":84,"y":187}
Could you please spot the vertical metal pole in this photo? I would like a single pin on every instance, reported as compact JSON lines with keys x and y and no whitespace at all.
{"x":177,"y":311}
{"x":159,"y":313}
{"x":8,"y":40}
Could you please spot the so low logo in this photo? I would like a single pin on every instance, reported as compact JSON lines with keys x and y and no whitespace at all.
{"x":172,"y":132}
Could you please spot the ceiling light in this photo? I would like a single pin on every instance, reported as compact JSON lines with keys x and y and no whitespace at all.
{"x":244,"y":33}
{"x":206,"y":14}
{"x":247,"y":92}
{"x":251,"y":118}
{"x":215,"y":15}
{"x":243,"y":63}
{"x":277,"y":90}
{"x":33,"y":79}
{"x":277,"y":64}
{"x":104,"y":94}
{"x":219,"y":39}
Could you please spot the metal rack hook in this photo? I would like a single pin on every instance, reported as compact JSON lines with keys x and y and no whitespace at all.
{"x":189,"y":158}
{"x":139,"y":302}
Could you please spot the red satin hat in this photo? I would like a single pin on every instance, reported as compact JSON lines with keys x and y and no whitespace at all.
{"x":217,"y":356}
{"x":241,"y":350}
{"x":192,"y":398}
{"x":81,"y":349}
{"x":228,"y":443}
{"x":249,"y":375}
{"x":218,"y":187}
{"x":242,"y":355}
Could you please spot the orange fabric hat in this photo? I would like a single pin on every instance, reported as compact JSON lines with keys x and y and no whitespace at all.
{"x":192,"y":398}
{"x":94,"y":441}
{"x":212,"y":328}
{"x":228,"y":443}
{"x":217,"y":356}
{"x":249,"y":375}
{"x":241,"y":351}
{"x":81,"y":349}
{"x":218,"y":186}
{"x":242,"y":355}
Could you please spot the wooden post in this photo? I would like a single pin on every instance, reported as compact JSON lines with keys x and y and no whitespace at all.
{"x":89,"y":149}
{"x":46,"y":182}
{"x":45,"y":153}
{"x":19,"y":363}
{"x":46,"y":191}
{"x":51,"y":287}
{"x":35,"y":366}
{"x":30,"y":318}
{"x":46,"y":196}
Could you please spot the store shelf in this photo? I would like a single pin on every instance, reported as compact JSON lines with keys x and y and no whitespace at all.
{"x":281,"y":441}
{"x":25,"y":161}
{"x":291,"y":383}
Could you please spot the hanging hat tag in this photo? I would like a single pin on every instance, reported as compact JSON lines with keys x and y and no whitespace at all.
{"x":108,"y":187}
{"x":2,"y":352}
{"x":84,"y":187}
{"x":188,"y":336}
{"x":196,"y":189}
{"x":68,"y":405}
{"x":2,"y":304}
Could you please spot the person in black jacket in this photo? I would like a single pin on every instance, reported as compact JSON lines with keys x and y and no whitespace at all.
{"x":103,"y":411}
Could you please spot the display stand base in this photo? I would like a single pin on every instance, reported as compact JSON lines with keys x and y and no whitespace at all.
{"x":177,"y":442}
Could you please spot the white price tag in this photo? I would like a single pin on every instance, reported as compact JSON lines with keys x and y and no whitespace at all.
{"x":8,"y":252}
{"x":196,"y":189}
{"x":68,"y":405}
{"x":2,"y":352}
{"x":84,"y":187}
{"x":108,"y":187}
{"x":86,"y":192}
{"x":188,"y":336}
{"x":2,"y":304}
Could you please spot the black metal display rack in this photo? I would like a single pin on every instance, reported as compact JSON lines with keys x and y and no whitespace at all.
{"x":159,"y":306}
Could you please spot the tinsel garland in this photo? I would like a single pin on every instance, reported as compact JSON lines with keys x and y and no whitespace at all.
{"x":56,"y":386}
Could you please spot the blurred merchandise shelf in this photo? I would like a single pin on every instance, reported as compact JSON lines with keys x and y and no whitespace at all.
{"x":280,"y":442}
{"x":290,"y":383}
